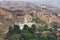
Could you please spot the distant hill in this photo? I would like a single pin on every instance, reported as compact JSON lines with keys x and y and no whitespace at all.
{"x":29,"y":6}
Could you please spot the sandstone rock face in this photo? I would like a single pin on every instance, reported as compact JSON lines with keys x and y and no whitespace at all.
{"x":6,"y":13}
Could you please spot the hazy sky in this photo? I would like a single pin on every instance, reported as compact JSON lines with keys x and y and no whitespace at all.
{"x":52,"y":2}
{"x":22,"y":0}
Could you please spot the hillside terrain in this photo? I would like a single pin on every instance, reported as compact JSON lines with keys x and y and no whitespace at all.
{"x":20,"y":13}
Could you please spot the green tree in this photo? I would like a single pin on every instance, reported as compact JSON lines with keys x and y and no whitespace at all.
{"x":54,"y":26}
{"x":52,"y":37}
{"x":17,"y":29}
{"x":10,"y":30}
{"x":32,"y":29}
{"x":26,"y":27}
{"x":43,"y":28}
{"x":38,"y":20}
{"x":15,"y":37}
{"x":27,"y":35}
{"x":50,"y":29}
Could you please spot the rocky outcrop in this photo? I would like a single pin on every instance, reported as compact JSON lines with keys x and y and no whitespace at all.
{"x":6,"y":13}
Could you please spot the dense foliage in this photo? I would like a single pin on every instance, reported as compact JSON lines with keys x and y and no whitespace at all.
{"x":30,"y":33}
{"x":37,"y":20}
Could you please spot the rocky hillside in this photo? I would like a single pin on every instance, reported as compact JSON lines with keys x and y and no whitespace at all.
{"x":11,"y":12}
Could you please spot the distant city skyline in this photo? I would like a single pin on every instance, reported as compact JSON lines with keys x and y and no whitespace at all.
{"x":51,"y":2}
